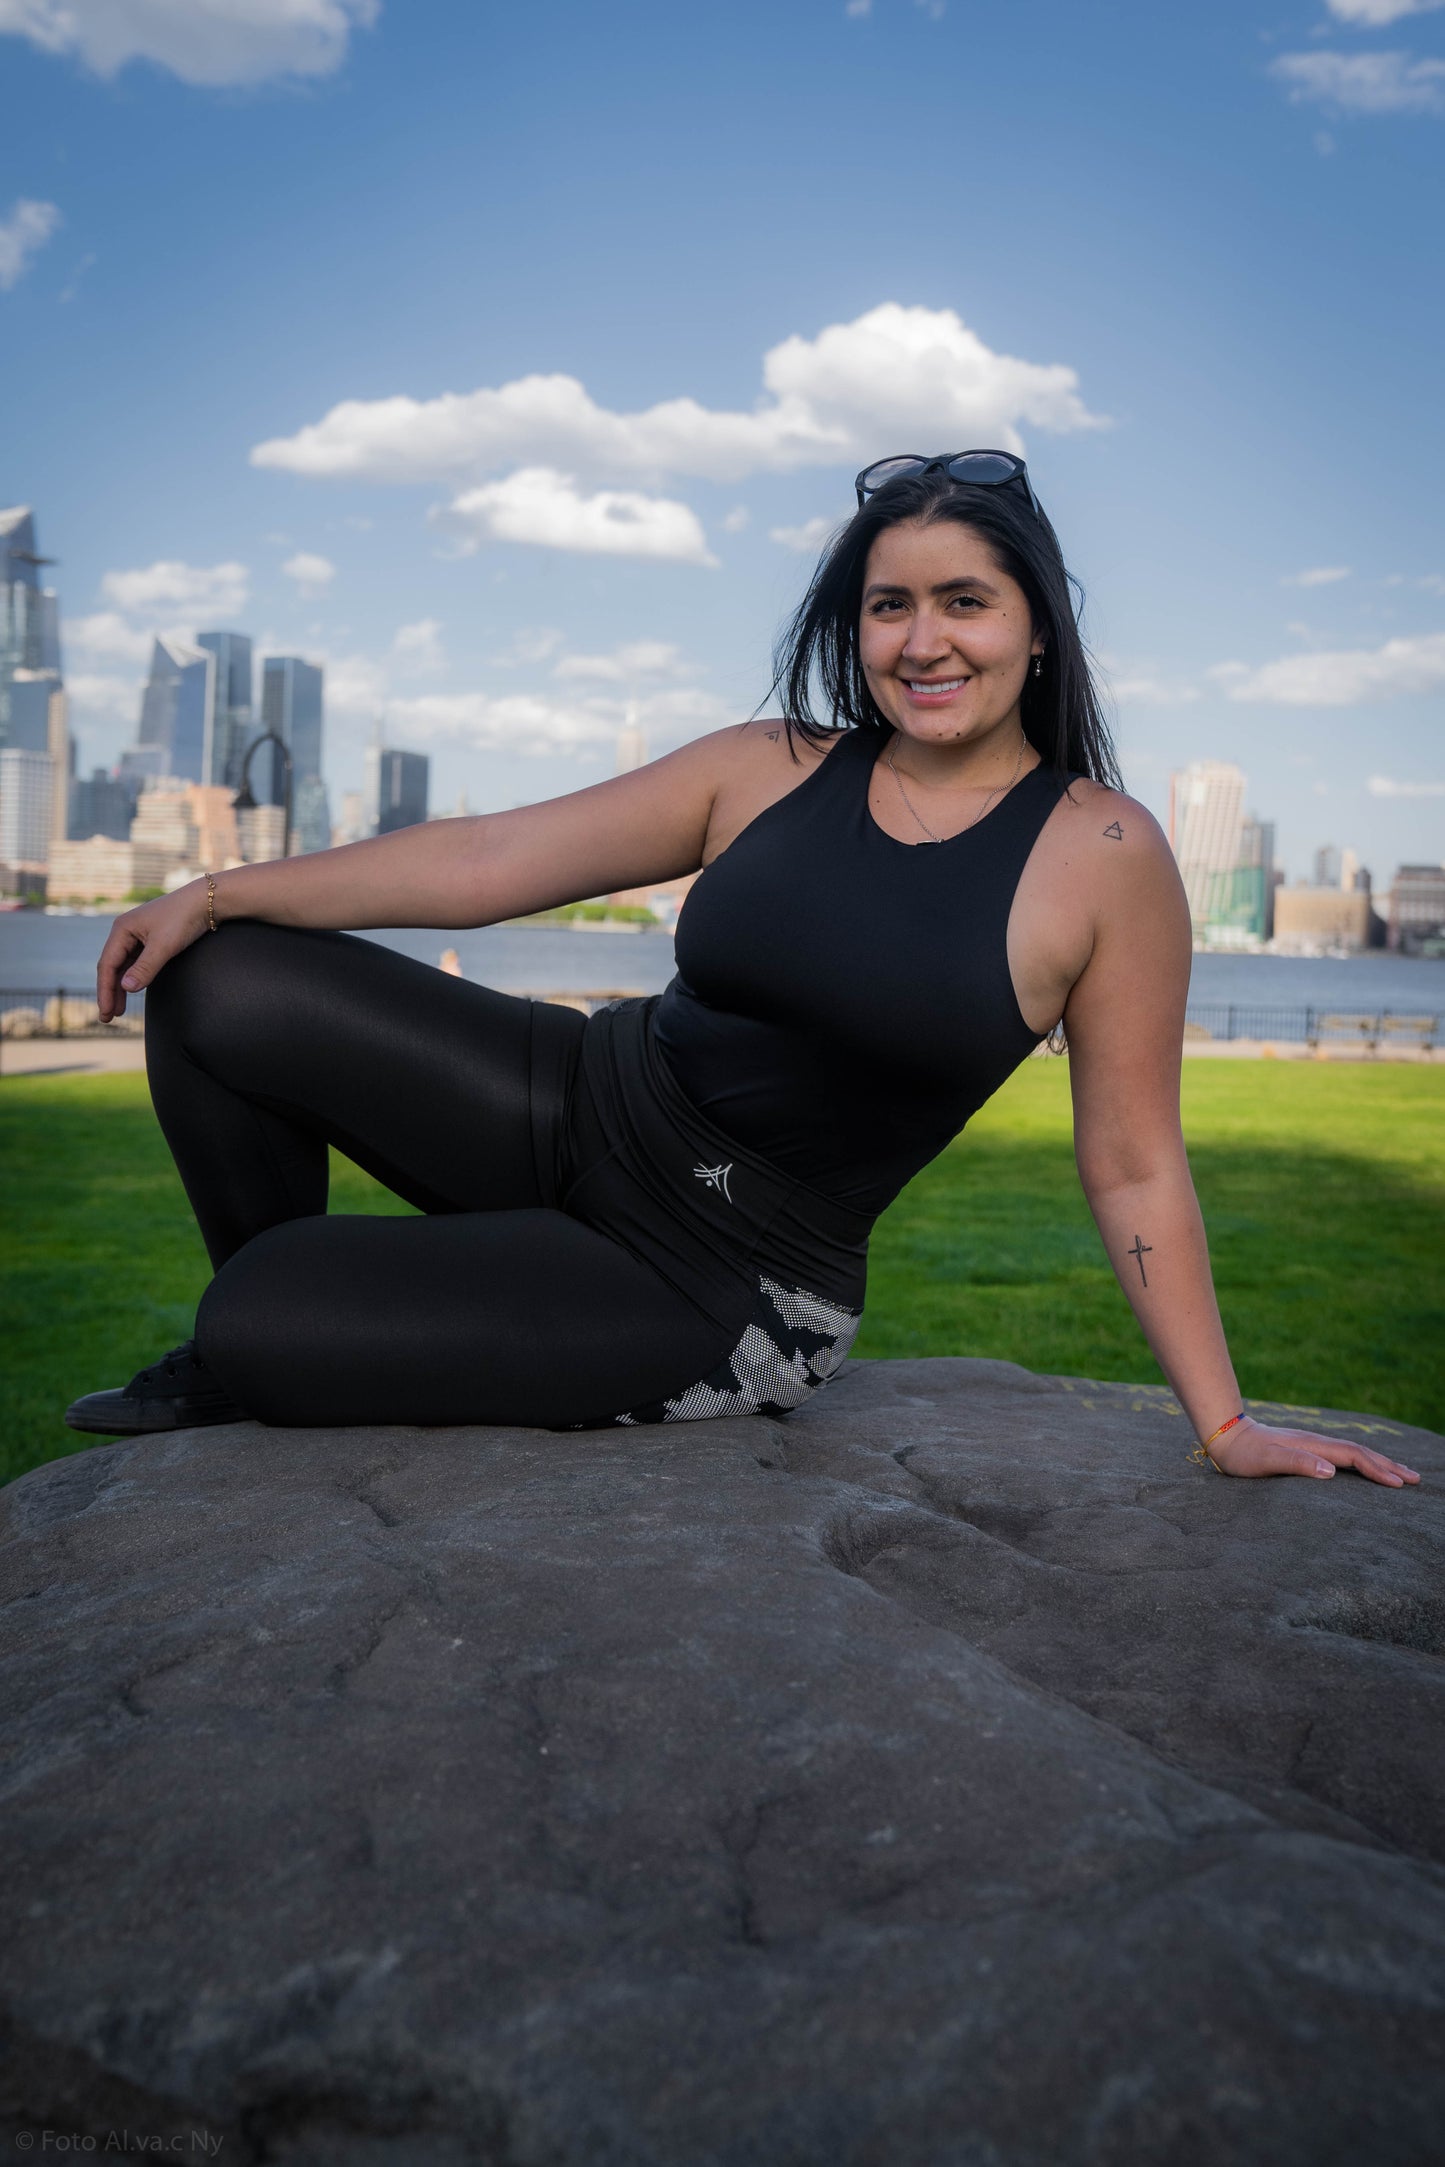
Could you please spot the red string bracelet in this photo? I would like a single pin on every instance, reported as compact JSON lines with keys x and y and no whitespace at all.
{"x":1201,"y":1450}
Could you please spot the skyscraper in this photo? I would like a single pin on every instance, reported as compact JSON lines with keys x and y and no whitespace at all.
{"x":1254,"y":881}
{"x":230,"y":719}
{"x":176,"y":716}
{"x":397,"y":785}
{"x":32,"y":696}
{"x":100,"y":804}
{"x":22,"y":615}
{"x":1206,"y":819}
{"x":291,"y":705}
{"x":27,"y":793}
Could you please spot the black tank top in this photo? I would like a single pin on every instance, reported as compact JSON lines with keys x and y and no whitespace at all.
{"x":843,"y":1002}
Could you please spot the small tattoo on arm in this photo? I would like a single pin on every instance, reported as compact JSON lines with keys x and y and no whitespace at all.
{"x":772,"y":736}
{"x":1140,"y":1250}
{"x":1115,"y":832}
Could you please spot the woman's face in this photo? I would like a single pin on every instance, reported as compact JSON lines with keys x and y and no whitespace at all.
{"x":945,"y":636}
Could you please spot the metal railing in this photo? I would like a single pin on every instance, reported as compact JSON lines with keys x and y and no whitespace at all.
{"x":1371,"y":1028}
{"x":66,"y":1012}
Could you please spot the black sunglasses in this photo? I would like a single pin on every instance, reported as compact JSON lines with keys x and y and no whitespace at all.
{"x":990,"y":469}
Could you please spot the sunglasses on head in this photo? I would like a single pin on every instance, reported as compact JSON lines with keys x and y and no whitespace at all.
{"x":990,"y":469}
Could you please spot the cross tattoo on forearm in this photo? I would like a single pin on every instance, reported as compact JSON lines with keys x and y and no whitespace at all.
{"x":1140,"y":1250}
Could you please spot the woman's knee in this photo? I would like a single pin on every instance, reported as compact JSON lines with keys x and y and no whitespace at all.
{"x":227,"y":986}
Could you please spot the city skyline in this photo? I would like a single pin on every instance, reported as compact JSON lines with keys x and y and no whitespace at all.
{"x":198,"y":718}
{"x":447,"y":432}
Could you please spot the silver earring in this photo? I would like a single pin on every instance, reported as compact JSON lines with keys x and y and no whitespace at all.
{"x":1038,"y":665}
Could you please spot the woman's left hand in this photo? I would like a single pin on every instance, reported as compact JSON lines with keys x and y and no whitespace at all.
{"x":1254,"y":1448}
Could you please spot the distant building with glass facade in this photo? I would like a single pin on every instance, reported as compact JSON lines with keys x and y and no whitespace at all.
{"x":31,"y":692}
{"x":230,"y":717}
{"x":24,"y":635}
{"x":1417,"y":910}
{"x":34,"y":719}
{"x":397,"y":785}
{"x":292,"y":706}
{"x":176,"y":716}
{"x":27,"y":797}
{"x":100,"y":804}
{"x":1225,"y":857}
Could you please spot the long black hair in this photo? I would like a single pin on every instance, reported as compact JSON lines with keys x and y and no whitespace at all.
{"x":1062,"y":715}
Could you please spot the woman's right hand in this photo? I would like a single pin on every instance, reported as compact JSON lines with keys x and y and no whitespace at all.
{"x":143,"y":940}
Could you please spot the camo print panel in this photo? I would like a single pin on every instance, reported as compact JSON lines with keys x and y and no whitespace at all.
{"x":793,"y":1343}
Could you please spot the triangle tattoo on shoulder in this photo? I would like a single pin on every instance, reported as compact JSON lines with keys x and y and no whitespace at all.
{"x":1115,"y":831}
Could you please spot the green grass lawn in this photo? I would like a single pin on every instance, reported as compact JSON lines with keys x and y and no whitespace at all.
{"x":1322,"y":1185}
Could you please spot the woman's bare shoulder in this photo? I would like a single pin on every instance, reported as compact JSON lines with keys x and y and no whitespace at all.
{"x":767,"y":738}
{"x":759,"y":765}
{"x":1110,"y":829}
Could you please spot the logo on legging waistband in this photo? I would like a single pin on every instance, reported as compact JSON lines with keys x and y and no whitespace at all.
{"x":715,"y":1177}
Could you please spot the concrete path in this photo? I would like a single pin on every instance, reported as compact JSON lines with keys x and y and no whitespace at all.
{"x":70,"y":1056}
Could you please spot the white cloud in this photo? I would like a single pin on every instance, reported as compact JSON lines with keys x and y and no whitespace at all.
{"x":805,"y":539}
{"x":210,"y":42}
{"x":536,"y":726}
{"x":214,"y":591}
{"x":1430,"y":582}
{"x":1375,"y":14}
{"x":23,"y":234}
{"x":523,"y":723}
{"x":1384,"y":786}
{"x":536,"y":504}
{"x":637,"y":658}
{"x":733,"y":522}
{"x":106,"y":637}
{"x":418,"y":646}
{"x":529,"y":646}
{"x":890,"y":375}
{"x":1144,"y":688}
{"x":1363,"y":82}
{"x":856,"y":8}
{"x":675,"y":714}
{"x":1344,"y":678}
{"x":356,"y":690}
{"x":100,"y":697}
{"x":1321,"y":575}
{"x":312,"y":574}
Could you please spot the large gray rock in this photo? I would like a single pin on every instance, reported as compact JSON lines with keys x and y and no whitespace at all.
{"x":950,"y":1776}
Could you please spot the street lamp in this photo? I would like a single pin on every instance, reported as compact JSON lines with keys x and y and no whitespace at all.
{"x":246,"y":803}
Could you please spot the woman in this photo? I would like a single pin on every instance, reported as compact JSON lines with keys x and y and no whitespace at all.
{"x":662,"y":1212}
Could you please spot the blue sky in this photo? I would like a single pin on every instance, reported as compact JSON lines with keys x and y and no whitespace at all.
{"x":367,"y":327}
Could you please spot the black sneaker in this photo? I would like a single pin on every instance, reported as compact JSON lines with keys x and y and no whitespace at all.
{"x":176,"y":1393}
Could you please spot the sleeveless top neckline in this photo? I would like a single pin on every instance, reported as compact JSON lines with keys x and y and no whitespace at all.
{"x":923,"y":842}
{"x":843,"y":1002}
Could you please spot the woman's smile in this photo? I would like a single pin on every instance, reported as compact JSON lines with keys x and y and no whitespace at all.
{"x":934,"y":691}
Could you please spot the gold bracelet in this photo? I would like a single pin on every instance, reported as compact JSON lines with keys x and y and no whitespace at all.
{"x":211,"y":902}
{"x":1201,"y":1450}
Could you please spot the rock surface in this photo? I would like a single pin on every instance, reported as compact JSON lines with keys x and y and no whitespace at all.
{"x":950,"y":1776}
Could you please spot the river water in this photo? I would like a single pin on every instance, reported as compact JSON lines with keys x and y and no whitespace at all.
{"x":40,"y":954}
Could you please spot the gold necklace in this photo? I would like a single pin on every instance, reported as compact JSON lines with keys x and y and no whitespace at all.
{"x":1023,"y":744}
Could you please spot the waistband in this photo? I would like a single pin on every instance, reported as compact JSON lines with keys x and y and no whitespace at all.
{"x":645,"y":1166}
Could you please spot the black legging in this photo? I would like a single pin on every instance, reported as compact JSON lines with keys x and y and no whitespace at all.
{"x":265,"y":1045}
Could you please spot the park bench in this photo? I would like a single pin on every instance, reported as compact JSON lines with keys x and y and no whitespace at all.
{"x":1422,"y":1030}
{"x":1369,"y":1031}
{"x":1365,"y":1030}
